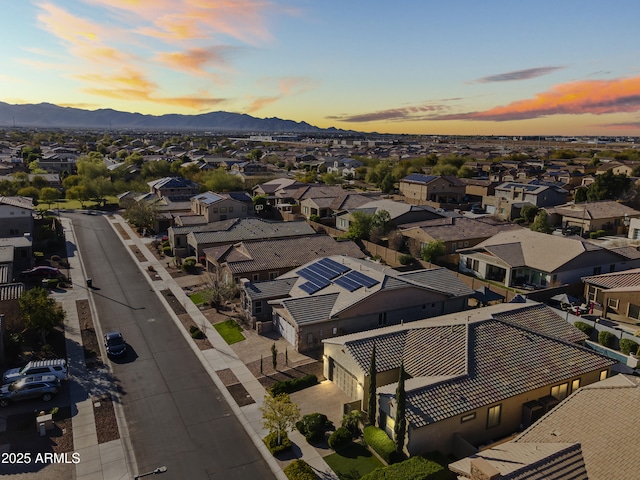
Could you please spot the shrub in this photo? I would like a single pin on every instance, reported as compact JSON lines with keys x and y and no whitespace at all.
{"x":606,"y":339}
{"x":271,"y":441}
{"x":519,"y":220}
{"x":299,"y":470}
{"x":166,"y":243}
{"x":313,"y":426}
{"x":601,"y":233}
{"x":339,"y":438}
{"x":406,"y":259}
{"x":166,"y":250}
{"x":414,"y":468}
{"x":293,"y":385}
{"x":584,"y":327}
{"x":189,"y":264}
{"x":628,"y":346}
{"x":196,"y":332}
{"x":314,"y":218}
{"x":593,"y":235}
{"x":378,"y":439}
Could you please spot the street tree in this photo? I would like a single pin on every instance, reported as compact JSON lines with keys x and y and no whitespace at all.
{"x":40,"y":312}
{"x":279,"y":414}
{"x":49,"y":195}
{"x":400,"y":427}
{"x":141,"y":215}
{"x":79,"y":193}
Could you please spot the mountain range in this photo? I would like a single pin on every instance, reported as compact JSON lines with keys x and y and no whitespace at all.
{"x":47,"y":115}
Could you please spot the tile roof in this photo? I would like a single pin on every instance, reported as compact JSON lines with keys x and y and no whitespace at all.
{"x":459,"y":228}
{"x":22,"y":202}
{"x":594,"y":210}
{"x":627,"y":278}
{"x":279,"y":253}
{"x":438,"y":279}
{"x":603,"y":418}
{"x":493,"y":360}
{"x":252,"y":229}
{"x":269,"y":289}
{"x":311,"y":309}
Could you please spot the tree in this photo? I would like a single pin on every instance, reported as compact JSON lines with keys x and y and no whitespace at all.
{"x":351,"y":421}
{"x":580,"y":195}
{"x":432,"y":250}
{"x":529,"y":212}
{"x":400,"y":427}
{"x":31,"y":192}
{"x":141,"y":215}
{"x":274,"y":356}
{"x":49,"y":195}
{"x":608,"y":186}
{"x":360,"y":226}
{"x":40,"y":312}
{"x":279,"y":414}
{"x":373,"y":387}
{"x":78,"y":192}
{"x":220,"y":290}
{"x":541,"y":223}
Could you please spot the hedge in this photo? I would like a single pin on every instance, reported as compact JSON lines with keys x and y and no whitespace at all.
{"x":584,"y":327}
{"x":299,"y":470}
{"x":313,"y":426}
{"x":606,"y":339}
{"x":271,"y":441}
{"x":339,"y":438}
{"x":293,"y":385}
{"x":416,"y":468}
{"x":628,"y":346}
{"x":406,"y":259}
{"x":378,"y":439}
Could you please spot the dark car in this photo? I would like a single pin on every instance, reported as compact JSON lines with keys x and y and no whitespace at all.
{"x":114,"y":344}
{"x":25,"y":389}
{"x":41,"y":272}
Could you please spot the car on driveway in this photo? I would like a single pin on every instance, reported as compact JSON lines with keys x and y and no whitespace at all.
{"x":41,"y":272}
{"x":57,"y":368}
{"x":24,"y":389}
{"x":114,"y":344}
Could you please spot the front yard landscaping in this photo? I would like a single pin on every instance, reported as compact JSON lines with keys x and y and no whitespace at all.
{"x":353,"y":461}
{"x":230,"y":331}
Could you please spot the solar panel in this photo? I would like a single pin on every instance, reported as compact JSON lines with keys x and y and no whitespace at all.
{"x":333,"y":265}
{"x":310,"y":288}
{"x":313,"y":277}
{"x":322,"y":271}
{"x":362,"y":279}
{"x":347,"y":284}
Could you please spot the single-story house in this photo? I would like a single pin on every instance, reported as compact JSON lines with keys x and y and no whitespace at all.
{"x":617,"y":292}
{"x":587,"y":436}
{"x":472,"y":377}
{"x":605,"y":215}
{"x":399,"y":213}
{"x":524,"y":257}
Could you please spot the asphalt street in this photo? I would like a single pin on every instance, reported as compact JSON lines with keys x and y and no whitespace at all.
{"x":175,"y":414}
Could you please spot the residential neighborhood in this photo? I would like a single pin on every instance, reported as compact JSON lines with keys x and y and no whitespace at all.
{"x":452,"y":296}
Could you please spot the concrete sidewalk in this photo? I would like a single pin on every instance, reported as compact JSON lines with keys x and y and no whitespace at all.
{"x":106,"y":461}
{"x":221,"y":357}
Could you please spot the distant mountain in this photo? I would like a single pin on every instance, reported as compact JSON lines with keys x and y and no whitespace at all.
{"x":47,"y":115}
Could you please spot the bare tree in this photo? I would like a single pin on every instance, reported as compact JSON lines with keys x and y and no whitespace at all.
{"x":220,"y":290}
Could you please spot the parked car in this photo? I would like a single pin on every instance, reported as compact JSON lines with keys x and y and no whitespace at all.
{"x":114,"y":344}
{"x":41,"y":272}
{"x":24,"y":389}
{"x":57,"y":368}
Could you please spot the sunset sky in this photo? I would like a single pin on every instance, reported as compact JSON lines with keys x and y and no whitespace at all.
{"x":415,"y":66}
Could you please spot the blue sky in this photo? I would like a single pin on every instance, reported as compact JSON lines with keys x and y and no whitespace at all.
{"x":426,"y":67}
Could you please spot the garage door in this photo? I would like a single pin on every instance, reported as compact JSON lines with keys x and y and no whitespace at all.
{"x":287,"y":331}
{"x":345,"y":381}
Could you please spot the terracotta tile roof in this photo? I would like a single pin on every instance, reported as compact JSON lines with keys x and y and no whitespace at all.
{"x":627,"y":278}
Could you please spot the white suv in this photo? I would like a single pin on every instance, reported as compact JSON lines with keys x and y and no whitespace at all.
{"x":57,"y":368}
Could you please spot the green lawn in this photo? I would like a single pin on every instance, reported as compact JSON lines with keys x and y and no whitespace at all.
{"x":353,"y":461}
{"x":230,"y":331}
{"x":63,"y":203}
{"x":200,"y":297}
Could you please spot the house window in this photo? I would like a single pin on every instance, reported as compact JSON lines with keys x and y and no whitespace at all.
{"x":597,"y":270}
{"x":258,"y":307}
{"x":468,"y":418}
{"x":223,"y":209}
{"x":244,"y":209}
{"x":230,"y":209}
{"x":215,"y":209}
{"x":476,"y":265}
{"x":560,"y":391}
{"x":309,"y":338}
{"x":273,"y":275}
{"x":493,"y":416}
{"x":612,"y":268}
{"x":634,"y":311}
{"x":382,"y":318}
{"x":603,"y":374}
{"x":575,"y":385}
{"x":460,"y":244}
{"x":256,"y":277}
{"x":554,"y":278}
{"x":468,"y":263}
{"x":613,"y":303}
{"x":321,"y":334}
{"x":466,"y":244}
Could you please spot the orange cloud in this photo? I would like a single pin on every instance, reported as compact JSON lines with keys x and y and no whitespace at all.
{"x":288,"y":86}
{"x":260,"y":103}
{"x":196,"y":60}
{"x":596,"y":97}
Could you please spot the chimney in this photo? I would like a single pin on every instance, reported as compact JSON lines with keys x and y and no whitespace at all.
{"x":481,"y":469}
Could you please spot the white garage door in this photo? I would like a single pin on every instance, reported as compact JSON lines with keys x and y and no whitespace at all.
{"x":345,"y":381}
{"x":287,"y":331}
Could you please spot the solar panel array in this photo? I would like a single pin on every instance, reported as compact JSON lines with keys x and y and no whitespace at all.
{"x":322,"y":273}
